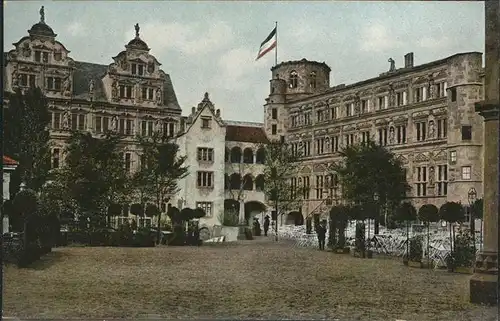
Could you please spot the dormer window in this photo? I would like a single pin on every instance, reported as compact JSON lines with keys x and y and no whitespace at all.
{"x":205,"y":122}
{"x":137,"y":69}
{"x":147,"y":93}
{"x":125,"y":91}
{"x":28,"y":80}
{"x":53,"y":83}
{"x":294,"y":81}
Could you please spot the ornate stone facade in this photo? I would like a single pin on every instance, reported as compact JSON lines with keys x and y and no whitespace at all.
{"x":424,"y":114}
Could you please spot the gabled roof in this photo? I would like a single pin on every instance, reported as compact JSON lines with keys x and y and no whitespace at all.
{"x":247,"y":134}
{"x":9,"y":161}
{"x":84,"y":72}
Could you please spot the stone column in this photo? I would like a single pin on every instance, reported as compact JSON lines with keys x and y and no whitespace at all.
{"x":484,"y":282}
{"x":241,"y":221}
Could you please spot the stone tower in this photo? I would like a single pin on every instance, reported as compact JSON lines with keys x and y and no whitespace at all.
{"x":291,"y":80}
{"x":465,"y":126}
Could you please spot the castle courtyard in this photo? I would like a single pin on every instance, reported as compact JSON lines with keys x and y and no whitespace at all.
{"x":258,"y":279}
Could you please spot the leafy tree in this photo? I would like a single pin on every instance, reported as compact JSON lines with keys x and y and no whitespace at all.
{"x":161,"y":169}
{"x":406,"y":212}
{"x":26,"y":138}
{"x":368,"y":169}
{"x":280,"y":166}
{"x":428,"y":213}
{"x":452,"y":212}
{"x":137,"y":209}
{"x":339,"y":215}
{"x":152,"y":210}
{"x":94,"y":175}
{"x":477,"y":213}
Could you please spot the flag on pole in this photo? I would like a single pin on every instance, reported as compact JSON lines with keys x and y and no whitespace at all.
{"x":268,"y":44}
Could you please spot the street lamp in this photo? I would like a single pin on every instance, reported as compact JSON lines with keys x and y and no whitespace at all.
{"x":471,"y":197}
{"x":375,"y":200}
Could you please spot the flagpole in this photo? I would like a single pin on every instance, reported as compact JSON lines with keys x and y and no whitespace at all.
{"x":276,"y":49}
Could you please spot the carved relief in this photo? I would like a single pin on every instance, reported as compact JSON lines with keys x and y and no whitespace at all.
{"x":318,"y":168}
{"x":392,"y":96}
{"x":431,"y":176}
{"x":439,"y":111}
{"x":440,"y":156}
{"x":391,"y":135}
{"x":431,"y":88}
{"x":306,"y":170}
{"x":420,"y":158}
{"x":432,"y":129}
{"x":114,"y":89}
{"x":26,"y":51}
{"x":420,"y":115}
{"x":114,"y":123}
{"x":66,"y":120}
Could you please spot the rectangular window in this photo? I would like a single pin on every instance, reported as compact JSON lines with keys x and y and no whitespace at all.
{"x":205,"y":154}
{"x":440,"y":92}
{"x":349,"y":140}
{"x":98,"y":124}
{"x":453,"y":92}
{"x":53,"y":83}
{"x":150,"y":94}
{"x":274,"y":113}
{"x":205,"y":206}
{"x":466,"y":172}
{"x":421,"y":181}
{"x":32,"y":81}
{"x":348,"y":110}
{"x":401,"y":134}
{"x":419,"y":94}
{"x":273,"y":129}
{"x":381,"y":103}
{"x":365,"y":137}
{"x":122,"y":91}
{"x":307,"y":148}
{"x":55,"y":157}
{"x":141,"y":70}
{"x":399,"y":99}
{"x":382,"y":136}
{"x":466,"y":132}
{"x":144,"y":128}
{"x":205,"y":122}
{"x":306,"y":191}
{"x":56,"y":124}
{"x":442,"y":180}
{"x":453,"y":157}
{"x":128,"y":91}
{"x":205,"y":179}
{"x":333,"y":112}
{"x":307,"y":118}
{"x":81,"y":122}
{"x":24,"y":80}
{"x":128,"y":162}
{"x":320,"y":146}
{"x":150,"y":128}
{"x":134,"y":69}
{"x":421,"y":131}
{"x":442,"y":130}
{"x":130,"y":124}
{"x":171,"y":129}
{"x":319,"y":187}
{"x":105,"y":124}
{"x":74,"y":121}
{"x":38,"y":56}
{"x":335,"y":144}
{"x":121,"y":128}
{"x":320,"y":116}
{"x":364,"y":105}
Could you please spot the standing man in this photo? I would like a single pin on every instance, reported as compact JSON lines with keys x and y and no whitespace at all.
{"x":321,"y":231}
{"x":266,"y":225}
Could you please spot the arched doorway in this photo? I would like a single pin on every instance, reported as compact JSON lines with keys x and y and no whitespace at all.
{"x":294,"y":217}
{"x":252,"y":209}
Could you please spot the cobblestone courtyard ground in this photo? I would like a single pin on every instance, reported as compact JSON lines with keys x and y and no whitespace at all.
{"x":251,"y":279}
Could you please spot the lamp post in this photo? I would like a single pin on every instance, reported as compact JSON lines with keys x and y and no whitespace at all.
{"x":471,"y":197}
{"x":375,"y":200}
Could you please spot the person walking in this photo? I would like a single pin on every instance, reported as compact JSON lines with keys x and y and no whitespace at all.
{"x":266,"y":224}
{"x":321,"y":231}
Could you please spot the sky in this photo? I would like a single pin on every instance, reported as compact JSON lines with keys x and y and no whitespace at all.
{"x":211,"y":46}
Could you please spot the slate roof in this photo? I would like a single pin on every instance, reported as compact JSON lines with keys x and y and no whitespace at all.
{"x":83,"y":73}
{"x":246,"y":134}
{"x":9,"y":161}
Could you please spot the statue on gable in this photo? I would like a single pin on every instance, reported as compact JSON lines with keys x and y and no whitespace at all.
{"x":114,"y":123}
{"x":91,"y":86}
{"x":393,"y":65}
{"x":158,"y":126}
{"x":137,"y":28}
{"x":65,"y":120}
{"x":42,"y":15}
{"x":66,"y":86}
{"x":391,"y":135}
{"x":158,"y":96}
{"x":114,"y":89}
{"x":431,"y":88}
{"x":26,"y":50}
{"x":432,"y":129}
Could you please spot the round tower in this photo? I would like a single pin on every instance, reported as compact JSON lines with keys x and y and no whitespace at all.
{"x":465,"y":126}
{"x":292,"y":80}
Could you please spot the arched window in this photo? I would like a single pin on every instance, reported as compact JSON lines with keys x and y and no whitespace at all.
{"x":248,"y":182}
{"x":236,"y":155}
{"x":294,"y":79}
{"x":260,"y":158}
{"x":312,"y":80}
{"x":248,"y":156}
{"x":259,"y":183}
{"x":235,"y":181}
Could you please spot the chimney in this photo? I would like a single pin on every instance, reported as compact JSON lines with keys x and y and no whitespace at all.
{"x":409,"y":60}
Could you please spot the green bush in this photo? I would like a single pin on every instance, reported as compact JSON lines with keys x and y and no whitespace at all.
{"x":463,"y":251}
{"x":124,"y":235}
{"x":144,"y":238}
{"x":416,"y":249}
